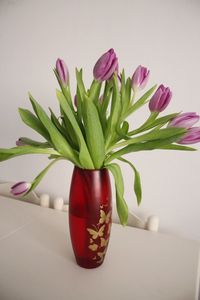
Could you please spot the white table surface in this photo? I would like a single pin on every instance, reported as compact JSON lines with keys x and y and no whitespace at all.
{"x":37,"y":263}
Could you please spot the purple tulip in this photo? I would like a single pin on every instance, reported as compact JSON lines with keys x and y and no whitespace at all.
{"x":191,"y":137}
{"x":62,"y":71}
{"x":160,"y":99}
{"x":185,"y":120}
{"x":106,"y":65}
{"x":19,"y":142}
{"x":20,"y":188}
{"x":140,"y":77}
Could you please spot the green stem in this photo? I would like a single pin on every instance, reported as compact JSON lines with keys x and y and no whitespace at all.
{"x":38,"y":179}
{"x":150,"y":119}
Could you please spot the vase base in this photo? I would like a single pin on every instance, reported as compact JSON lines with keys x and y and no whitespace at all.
{"x":87,"y":264}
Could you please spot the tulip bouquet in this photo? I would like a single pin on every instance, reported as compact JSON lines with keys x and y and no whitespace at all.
{"x":92,"y":129}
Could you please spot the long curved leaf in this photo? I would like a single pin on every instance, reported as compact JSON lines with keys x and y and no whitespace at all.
{"x":122,"y":207}
{"x":30,"y":120}
{"x":143,"y":100}
{"x":156,"y":122}
{"x":94,"y":133}
{"x":155,"y":134}
{"x":151,"y":145}
{"x":59,"y":142}
{"x":40,"y":176}
{"x":6,"y":154}
{"x":114,"y":114}
{"x":84,"y":155}
{"x":178,"y":147}
{"x":29,"y":142}
{"x":137,"y":181}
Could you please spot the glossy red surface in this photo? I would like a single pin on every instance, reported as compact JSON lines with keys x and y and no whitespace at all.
{"x":90,"y":210}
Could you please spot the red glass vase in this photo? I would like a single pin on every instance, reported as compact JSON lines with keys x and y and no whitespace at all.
{"x":90,"y":210}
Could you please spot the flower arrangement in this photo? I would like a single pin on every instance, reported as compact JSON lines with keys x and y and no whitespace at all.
{"x":92,"y":130}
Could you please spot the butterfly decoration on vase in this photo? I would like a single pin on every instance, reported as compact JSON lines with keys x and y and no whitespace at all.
{"x":96,"y":233}
{"x":104,"y":218}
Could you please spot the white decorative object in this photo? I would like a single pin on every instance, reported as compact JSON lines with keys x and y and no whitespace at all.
{"x":44,"y":200}
{"x":152,"y":223}
{"x":58,"y":203}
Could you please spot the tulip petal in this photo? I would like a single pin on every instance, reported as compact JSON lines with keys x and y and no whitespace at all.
{"x":140,"y":77}
{"x":62,"y":71}
{"x":191,"y":137}
{"x":105,"y":66}
{"x":20,"y":188}
{"x":160,"y":99}
{"x":185,"y":120}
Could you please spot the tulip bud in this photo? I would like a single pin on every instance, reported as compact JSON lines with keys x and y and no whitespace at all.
{"x":19,"y":142}
{"x":160,"y":99}
{"x":62,"y":71}
{"x":20,"y":188}
{"x":191,"y":137}
{"x":140,"y":77}
{"x":185,"y":120}
{"x":106,"y":65}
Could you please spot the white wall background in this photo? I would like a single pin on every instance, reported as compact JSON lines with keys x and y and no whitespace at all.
{"x":163,"y":35}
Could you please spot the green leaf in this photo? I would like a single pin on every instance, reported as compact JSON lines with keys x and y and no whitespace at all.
{"x":156,"y":134}
{"x":94,"y":133}
{"x":105,"y":103}
{"x":80,"y":83}
{"x":161,"y":134}
{"x":38,"y":179}
{"x":123,"y":91}
{"x":106,"y":97}
{"x":79,"y":105}
{"x":137,"y":181}
{"x":122,"y":132}
{"x":34,"y":143}
{"x":178,"y":147}
{"x":142,"y":101}
{"x":64,"y":89}
{"x":29,"y":119}
{"x":150,"y":145}
{"x":127,"y":99}
{"x":84,"y":155}
{"x":59,"y":142}
{"x":65,"y":129}
{"x":150,"y":124}
{"x":56,"y":122}
{"x":122,"y":208}
{"x":23,"y":150}
{"x":69,"y":130}
{"x":114,"y":114}
{"x":95,"y":89}
{"x":6,"y":156}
